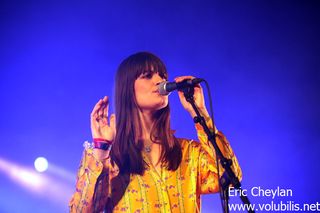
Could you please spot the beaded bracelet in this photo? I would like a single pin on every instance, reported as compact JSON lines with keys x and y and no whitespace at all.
{"x":104,"y":145}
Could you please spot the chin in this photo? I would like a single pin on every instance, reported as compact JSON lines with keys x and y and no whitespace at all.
{"x":164,"y":102}
{"x":161,"y":105}
{"x":155,"y":104}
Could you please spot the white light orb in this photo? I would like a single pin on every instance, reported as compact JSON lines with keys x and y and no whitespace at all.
{"x":41,"y":164}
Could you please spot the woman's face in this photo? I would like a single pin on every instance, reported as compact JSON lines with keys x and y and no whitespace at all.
{"x":146,"y":92}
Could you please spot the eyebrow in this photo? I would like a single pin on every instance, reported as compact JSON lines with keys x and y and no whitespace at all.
{"x":162,"y":74}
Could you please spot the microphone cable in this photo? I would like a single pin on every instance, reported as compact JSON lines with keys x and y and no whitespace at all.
{"x":221,"y":192}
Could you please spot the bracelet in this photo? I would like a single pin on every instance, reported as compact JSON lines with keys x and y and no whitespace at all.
{"x":102,"y":140}
{"x":97,"y":145}
{"x":101,"y":145}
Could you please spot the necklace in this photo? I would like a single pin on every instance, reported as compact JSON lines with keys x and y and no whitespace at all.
{"x":147,"y":148}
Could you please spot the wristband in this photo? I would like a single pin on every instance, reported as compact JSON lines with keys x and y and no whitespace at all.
{"x":101,"y":145}
{"x":102,"y":140}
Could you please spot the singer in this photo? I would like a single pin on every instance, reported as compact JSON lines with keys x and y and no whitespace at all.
{"x":135,"y":163}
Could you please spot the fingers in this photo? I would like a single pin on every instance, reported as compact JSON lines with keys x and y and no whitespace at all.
{"x":94,"y":113}
{"x":113,"y":122}
{"x":103,"y":106}
{"x":100,"y":111}
{"x":99,"y":120}
{"x":181,"y":78}
{"x":104,"y":110}
{"x":198,"y":94}
{"x":94,"y":118}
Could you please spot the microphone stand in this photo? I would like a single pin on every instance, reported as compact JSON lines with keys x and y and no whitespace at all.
{"x":228,"y":176}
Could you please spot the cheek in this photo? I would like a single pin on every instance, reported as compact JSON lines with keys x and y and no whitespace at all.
{"x":140,"y":91}
{"x":140,"y":87}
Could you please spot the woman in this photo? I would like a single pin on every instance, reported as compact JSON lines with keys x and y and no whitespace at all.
{"x":147,"y":169}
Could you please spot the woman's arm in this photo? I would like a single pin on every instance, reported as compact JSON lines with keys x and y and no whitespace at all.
{"x":208,"y":173}
{"x":92,"y":178}
{"x":90,"y":175}
{"x":207,"y":169}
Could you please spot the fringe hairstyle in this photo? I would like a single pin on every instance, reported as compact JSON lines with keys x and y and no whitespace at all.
{"x":127,"y":148}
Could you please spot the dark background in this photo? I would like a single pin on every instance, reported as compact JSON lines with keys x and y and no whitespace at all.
{"x":58,"y":58}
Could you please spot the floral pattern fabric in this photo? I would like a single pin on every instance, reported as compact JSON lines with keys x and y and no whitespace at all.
{"x":99,"y":183}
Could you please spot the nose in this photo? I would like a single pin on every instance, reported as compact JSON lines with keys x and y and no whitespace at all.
{"x":157,"y":79}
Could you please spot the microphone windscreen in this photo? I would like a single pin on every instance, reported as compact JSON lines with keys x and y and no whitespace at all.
{"x":162,"y":88}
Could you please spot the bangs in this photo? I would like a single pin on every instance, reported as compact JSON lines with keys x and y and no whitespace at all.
{"x":147,"y":63}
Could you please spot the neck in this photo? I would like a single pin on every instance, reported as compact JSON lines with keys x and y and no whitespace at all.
{"x":147,"y":122}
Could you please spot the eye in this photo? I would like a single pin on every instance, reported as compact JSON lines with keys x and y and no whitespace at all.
{"x":163,"y":77}
{"x":147,"y":75}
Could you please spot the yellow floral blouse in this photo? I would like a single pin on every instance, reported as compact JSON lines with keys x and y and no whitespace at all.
{"x":98,"y":182}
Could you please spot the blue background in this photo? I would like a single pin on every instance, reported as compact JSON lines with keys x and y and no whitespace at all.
{"x":261,"y":59}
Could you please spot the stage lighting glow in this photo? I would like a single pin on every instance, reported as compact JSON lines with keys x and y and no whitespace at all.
{"x":45,"y":185}
{"x":41,"y":164}
{"x":27,"y":178}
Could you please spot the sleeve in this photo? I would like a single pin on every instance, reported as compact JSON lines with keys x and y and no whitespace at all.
{"x":207,"y":172}
{"x":90,"y":194}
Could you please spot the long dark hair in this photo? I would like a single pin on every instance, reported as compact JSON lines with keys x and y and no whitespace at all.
{"x":126,"y":150}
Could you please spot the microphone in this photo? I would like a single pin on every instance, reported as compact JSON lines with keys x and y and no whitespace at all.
{"x":166,"y":87}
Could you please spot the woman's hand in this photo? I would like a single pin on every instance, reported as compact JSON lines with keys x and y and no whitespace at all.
{"x":198,"y":98}
{"x":100,"y":127}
